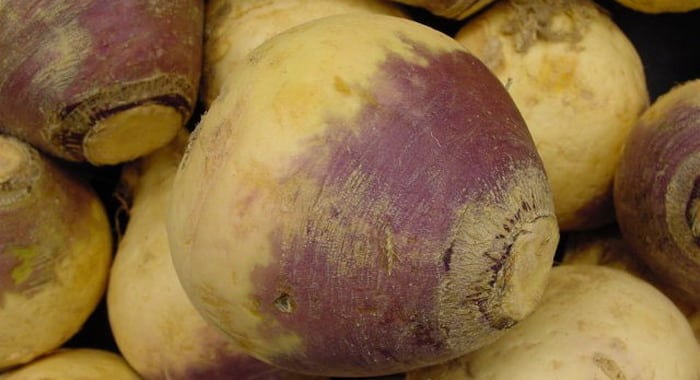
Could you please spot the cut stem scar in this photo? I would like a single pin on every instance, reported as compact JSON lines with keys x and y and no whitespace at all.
{"x":10,"y":160}
{"x":19,"y":169}
{"x":131,"y":133}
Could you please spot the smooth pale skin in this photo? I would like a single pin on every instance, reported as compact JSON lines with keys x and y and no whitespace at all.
{"x":607,"y":247}
{"x":657,"y":188}
{"x":594,"y":322}
{"x":99,"y":81}
{"x":75,"y":364}
{"x":159,"y":332}
{"x":375,"y":208}
{"x":55,"y":253}
{"x":580,"y":85}
{"x":235,"y":27}
{"x":661,"y":6}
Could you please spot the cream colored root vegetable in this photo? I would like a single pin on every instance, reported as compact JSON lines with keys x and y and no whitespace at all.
{"x":580,"y":85}
{"x":594,"y":322}
{"x":154,"y":324}
{"x":661,"y":6}
{"x":363,"y":199}
{"x":235,"y":27}
{"x":55,"y":252}
{"x":75,"y":364}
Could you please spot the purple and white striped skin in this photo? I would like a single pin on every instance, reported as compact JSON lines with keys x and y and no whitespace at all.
{"x":657,"y":189}
{"x":78,"y":77}
{"x":364,"y":198}
{"x":55,"y":252}
{"x":154,"y":324}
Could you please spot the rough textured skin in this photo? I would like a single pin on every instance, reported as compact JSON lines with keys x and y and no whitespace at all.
{"x":661,"y":6}
{"x":234,"y":28}
{"x":75,"y":364}
{"x":594,"y":322}
{"x":55,"y":251}
{"x":372,"y":210}
{"x":656,"y":188}
{"x":580,"y":85}
{"x":156,"y":328}
{"x":454,"y":9}
{"x":68,"y":64}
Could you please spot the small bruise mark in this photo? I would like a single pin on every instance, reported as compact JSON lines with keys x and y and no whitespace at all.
{"x":608,"y":366}
{"x":341,"y":85}
{"x":285,"y":303}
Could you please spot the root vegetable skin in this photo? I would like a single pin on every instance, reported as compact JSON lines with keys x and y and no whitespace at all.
{"x":661,"y":6}
{"x":234,"y":28}
{"x":580,"y":85}
{"x":75,"y":364}
{"x":454,"y":9}
{"x":98,"y":81}
{"x":55,"y":251}
{"x":657,"y":189}
{"x":156,"y":328}
{"x":607,"y":247}
{"x":387,"y":188}
{"x":593,"y":322}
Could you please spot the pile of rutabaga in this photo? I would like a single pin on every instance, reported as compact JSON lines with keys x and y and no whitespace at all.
{"x":317,"y":189}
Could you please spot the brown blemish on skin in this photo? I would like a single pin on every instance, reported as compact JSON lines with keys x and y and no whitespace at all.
{"x":341,"y":86}
{"x":556,"y":364}
{"x":608,"y":366}
{"x":447,"y":257}
{"x":285,"y":303}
